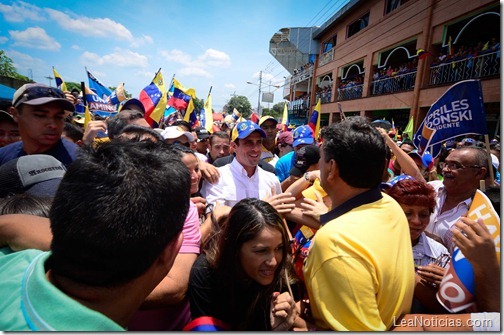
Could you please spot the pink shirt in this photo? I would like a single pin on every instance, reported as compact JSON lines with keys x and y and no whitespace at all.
{"x":172,"y":317}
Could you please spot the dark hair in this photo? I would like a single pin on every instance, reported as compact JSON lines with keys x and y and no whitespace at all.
{"x":220,"y":134}
{"x":107,"y":222}
{"x":358,"y":149}
{"x":180,"y":149}
{"x":139,"y":132}
{"x":118,"y":122}
{"x":479,"y":156}
{"x":414,"y":192}
{"x":25,"y":203}
{"x":73,"y":131}
{"x":407,"y":142}
{"x":245,"y":221}
{"x":186,"y":125}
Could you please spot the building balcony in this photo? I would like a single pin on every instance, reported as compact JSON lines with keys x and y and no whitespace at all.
{"x":483,"y":65}
{"x":326,"y":57}
{"x":303,"y":75}
{"x":299,"y":104}
{"x":348,"y":93}
{"x":394,"y":84}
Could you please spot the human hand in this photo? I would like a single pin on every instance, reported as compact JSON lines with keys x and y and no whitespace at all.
{"x":70,"y":97}
{"x":200,"y":203}
{"x":283,"y":202}
{"x":314,"y":208}
{"x":209,"y":172}
{"x":92,"y":129}
{"x":283,"y":311}
{"x":431,"y":274}
{"x":475,"y":241}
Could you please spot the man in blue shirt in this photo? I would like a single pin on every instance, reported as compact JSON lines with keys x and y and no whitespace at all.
{"x":40,"y":111}
{"x":302,"y":136}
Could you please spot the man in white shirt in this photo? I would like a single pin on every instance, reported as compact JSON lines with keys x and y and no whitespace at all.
{"x":463,"y":169}
{"x":242,"y":178}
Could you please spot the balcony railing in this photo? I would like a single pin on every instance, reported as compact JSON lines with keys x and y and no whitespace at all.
{"x":299,"y":104}
{"x":325,"y":97}
{"x":352,"y":92}
{"x":397,"y":83}
{"x":483,"y":65}
{"x":326,"y":57}
{"x":302,"y":76}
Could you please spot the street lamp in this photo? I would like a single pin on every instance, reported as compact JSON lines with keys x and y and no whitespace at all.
{"x":259,"y":112}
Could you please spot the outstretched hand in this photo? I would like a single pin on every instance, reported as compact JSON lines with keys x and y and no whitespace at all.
{"x":283,"y":311}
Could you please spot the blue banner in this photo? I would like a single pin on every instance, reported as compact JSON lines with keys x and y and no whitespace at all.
{"x":459,"y":111}
{"x":97,"y":87}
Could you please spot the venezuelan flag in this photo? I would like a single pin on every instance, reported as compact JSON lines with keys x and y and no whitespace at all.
{"x":181,"y":96}
{"x":153,"y":97}
{"x":60,"y":83}
{"x":314,"y":122}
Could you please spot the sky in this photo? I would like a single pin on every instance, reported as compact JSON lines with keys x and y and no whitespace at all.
{"x":214,"y":43}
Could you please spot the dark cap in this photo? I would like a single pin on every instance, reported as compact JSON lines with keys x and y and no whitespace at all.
{"x":128,"y":104}
{"x":39,"y":175}
{"x":305,"y":157}
{"x":6,"y":116}
{"x":37,"y":94}
{"x":202,"y":133}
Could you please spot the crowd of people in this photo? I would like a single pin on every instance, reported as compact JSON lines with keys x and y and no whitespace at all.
{"x":120,"y":226}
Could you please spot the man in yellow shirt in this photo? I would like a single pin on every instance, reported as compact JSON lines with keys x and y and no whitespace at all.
{"x":359,"y":272}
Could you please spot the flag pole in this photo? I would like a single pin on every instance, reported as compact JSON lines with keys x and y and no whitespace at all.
{"x":342,"y":114}
{"x":489,"y":157}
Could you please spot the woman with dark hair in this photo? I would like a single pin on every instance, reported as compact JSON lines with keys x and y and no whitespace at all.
{"x":237,"y":284}
{"x":418,"y":200}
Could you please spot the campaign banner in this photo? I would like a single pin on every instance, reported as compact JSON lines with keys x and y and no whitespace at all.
{"x":459,"y":111}
{"x":456,"y":291}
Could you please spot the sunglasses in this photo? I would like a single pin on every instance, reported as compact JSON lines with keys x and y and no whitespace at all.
{"x":38,"y":92}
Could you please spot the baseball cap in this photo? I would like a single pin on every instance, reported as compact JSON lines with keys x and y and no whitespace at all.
{"x":173,"y":132}
{"x":285,"y":138}
{"x":395,"y":180}
{"x":244,"y":129}
{"x":305,"y":157}
{"x":202,"y":133}
{"x":132,"y":102}
{"x":266,"y":118}
{"x":302,"y":135}
{"x":6,"y":116}
{"x":39,"y":175}
{"x":426,"y":158}
{"x":37,"y":94}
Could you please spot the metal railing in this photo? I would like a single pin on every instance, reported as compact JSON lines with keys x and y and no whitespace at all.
{"x":326,"y":57}
{"x":325,"y":97}
{"x":483,"y":65}
{"x":299,"y":104}
{"x":302,"y":76}
{"x":352,"y":92}
{"x":397,"y":83}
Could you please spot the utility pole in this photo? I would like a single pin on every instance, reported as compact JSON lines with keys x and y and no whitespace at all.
{"x":50,"y":80}
{"x":259,"y":97}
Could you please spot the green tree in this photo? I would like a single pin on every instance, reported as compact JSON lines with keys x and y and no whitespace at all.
{"x":198,"y":104}
{"x":276,"y":111}
{"x":242,"y":105}
{"x":7,"y":69}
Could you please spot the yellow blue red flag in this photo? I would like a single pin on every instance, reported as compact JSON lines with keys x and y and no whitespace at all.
{"x":60,"y":83}
{"x":153,"y":97}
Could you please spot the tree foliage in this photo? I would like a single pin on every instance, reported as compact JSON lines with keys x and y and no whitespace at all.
{"x":8,"y":69}
{"x":242,"y":105}
{"x":276,"y":111}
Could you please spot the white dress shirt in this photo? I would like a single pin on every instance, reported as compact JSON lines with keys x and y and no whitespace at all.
{"x":234,"y":185}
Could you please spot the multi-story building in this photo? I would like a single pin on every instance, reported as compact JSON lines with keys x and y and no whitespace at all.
{"x":391,"y":59}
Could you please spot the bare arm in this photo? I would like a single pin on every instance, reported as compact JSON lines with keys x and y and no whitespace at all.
{"x":22,"y":231}
{"x":173,"y":288}
{"x":407,"y":163}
